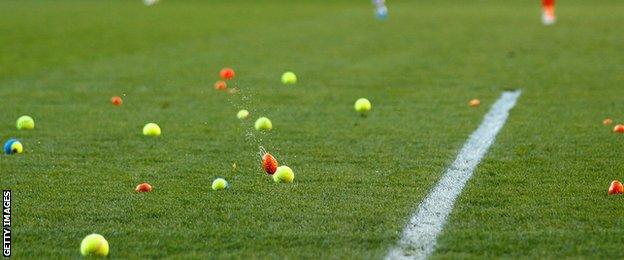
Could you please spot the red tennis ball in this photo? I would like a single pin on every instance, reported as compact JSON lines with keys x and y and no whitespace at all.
{"x":269,"y":164}
{"x":220,"y":85}
{"x":116,"y":100}
{"x":143,"y":187}
{"x":227,"y":73}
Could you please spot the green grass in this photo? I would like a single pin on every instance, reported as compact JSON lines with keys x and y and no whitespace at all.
{"x":539,"y":193}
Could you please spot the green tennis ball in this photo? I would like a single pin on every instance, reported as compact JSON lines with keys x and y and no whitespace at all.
{"x":284,"y":174}
{"x":242,"y":114}
{"x":219,"y":184}
{"x":94,"y":245}
{"x":362,"y":105}
{"x":289,"y":78}
{"x":263,"y":124}
{"x":25,"y":123}
{"x":151,"y":129}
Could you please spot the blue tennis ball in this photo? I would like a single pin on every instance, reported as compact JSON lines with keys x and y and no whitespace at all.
{"x":9,"y":145}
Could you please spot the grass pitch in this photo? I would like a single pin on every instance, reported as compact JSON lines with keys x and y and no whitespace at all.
{"x":540,"y":192}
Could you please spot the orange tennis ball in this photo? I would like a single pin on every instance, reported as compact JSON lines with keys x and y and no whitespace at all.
{"x":143,"y":187}
{"x":269,"y":164}
{"x":618,"y":129}
{"x":227,"y":73}
{"x":116,"y":100}
{"x":474,"y":103}
{"x":220,"y":85}
{"x":616,"y":187}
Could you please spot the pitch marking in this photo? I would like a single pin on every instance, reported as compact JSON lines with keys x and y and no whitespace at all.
{"x":418,"y":240}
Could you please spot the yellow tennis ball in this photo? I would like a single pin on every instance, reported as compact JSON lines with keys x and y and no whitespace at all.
{"x":94,"y":245}
{"x":284,"y":174}
{"x":25,"y":123}
{"x":151,"y":129}
{"x":219,"y":184}
{"x":17,"y":147}
{"x":263,"y":124}
{"x":362,"y":105}
{"x":289,"y":78}
{"x":242,"y":114}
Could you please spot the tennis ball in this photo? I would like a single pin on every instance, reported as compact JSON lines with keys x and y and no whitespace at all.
{"x":242,"y":114}
{"x":13,"y":146}
{"x":289,"y":78}
{"x":263,"y":124}
{"x":616,"y":187}
{"x":117,"y":101}
{"x":474,"y":103}
{"x":269,"y":164}
{"x":362,"y":105}
{"x":227,"y":73}
{"x":151,"y":129}
{"x":219,"y":184}
{"x":143,"y":187}
{"x":17,"y":147}
{"x":618,"y":129}
{"x":94,"y":245}
{"x":284,"y":174}
{"x":607,"y":121}
{"x":25,"y":123}
{"x":220,"y":85}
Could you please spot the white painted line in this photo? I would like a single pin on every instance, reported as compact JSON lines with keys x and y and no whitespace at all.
{"x":419,"y":236}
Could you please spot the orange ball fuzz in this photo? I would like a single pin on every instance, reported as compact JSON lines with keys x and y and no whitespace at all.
{"x":143,"y":187}
{"x":607,"y":121}
{"x":474,"y":103}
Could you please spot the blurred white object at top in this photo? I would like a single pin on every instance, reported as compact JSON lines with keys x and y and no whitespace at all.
{"x":150,"y":2}
{"x":379,"y":2}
